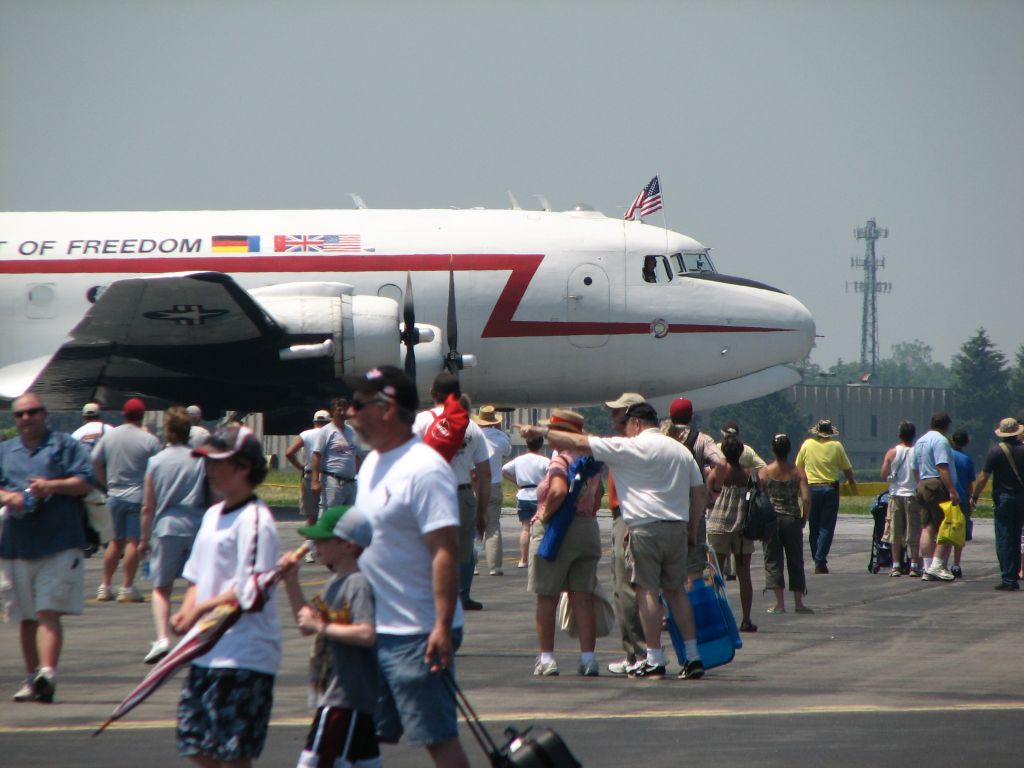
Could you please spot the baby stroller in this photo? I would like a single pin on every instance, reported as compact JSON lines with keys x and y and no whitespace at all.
{"x":881,"y":551}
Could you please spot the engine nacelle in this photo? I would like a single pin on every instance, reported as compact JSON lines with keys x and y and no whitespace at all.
{"x":364,"y":330}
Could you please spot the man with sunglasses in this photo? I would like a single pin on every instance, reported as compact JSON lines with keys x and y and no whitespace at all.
{"x":408,"y":491}
{"x":43,"y":475}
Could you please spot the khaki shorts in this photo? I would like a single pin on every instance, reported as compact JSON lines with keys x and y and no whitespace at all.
{"x":656,"y":555}
{"x":903,"y":523}
{"x":575,"y":568}
{"x":730,"y":544}
{"x":931,"y":493}
{"x":52,"y":583}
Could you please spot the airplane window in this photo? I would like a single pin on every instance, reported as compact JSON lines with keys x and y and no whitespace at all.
{"x":657,"y":269}
{"x":694,"y":261}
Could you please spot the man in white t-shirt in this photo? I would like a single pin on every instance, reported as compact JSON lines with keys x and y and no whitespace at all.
{"x":489,"y":421}
{"x":658,"y":482}
{"x":306,"y":442}
{"x":408,"y":492}
{"x":335,"y":460}
{"x":197,"y":434}
{"x":93,"y":427}
{"x":473,"y":456}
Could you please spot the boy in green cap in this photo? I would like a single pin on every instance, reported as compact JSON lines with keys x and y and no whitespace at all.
{"x":342,"y":732}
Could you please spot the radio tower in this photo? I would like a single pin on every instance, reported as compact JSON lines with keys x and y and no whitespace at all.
{"x":870,"y":286}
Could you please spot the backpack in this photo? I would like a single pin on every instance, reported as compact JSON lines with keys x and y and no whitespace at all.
{"x":759,"y":523}
{"x":446,"y":433}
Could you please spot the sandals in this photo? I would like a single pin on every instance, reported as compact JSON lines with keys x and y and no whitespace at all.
{"x":775,"y":609}
{"x":804,"y":609}
{"x":748,"y":626}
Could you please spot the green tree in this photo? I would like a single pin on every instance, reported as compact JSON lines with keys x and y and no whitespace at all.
{"x":911,"y":365}
{"x":981,"y":389}
{"x":1017,"y":383}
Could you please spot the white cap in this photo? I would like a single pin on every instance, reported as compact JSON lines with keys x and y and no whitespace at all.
{"x":194,"y":410}
{"x":91,"y":409}
{"x":322,"y":416}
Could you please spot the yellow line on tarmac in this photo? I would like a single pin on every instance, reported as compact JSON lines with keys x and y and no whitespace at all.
{"x":533,"y":715}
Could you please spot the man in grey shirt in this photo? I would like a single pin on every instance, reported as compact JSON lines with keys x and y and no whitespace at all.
{"x":335,"y":460}
{"x":119,"y":461}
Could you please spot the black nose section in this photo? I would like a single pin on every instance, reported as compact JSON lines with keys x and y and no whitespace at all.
{"x":714,"y":277}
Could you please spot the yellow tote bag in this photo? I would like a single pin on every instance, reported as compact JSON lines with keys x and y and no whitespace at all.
{"x":954,"y":525}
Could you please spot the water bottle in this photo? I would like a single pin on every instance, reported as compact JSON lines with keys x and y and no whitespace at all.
{"x":146,"y":574}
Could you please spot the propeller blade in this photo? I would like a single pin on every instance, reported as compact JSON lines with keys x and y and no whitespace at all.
{"x":452,"y":358}
{"x":409,"y":336}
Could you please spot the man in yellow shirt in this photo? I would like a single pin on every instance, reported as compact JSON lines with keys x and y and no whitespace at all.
{"x":823,"y":457}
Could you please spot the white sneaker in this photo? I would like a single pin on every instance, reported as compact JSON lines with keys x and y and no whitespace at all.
{"x":129,"y":595}
{"x":521,"y":564}
{"x":588,"y":669}
{"x":545,"y":668}
{"x":104,"y":594}
{"x":942,"y":573}
{"x":497,"y":572}
{"x":157,"y":651}
{"x":621,"y":667}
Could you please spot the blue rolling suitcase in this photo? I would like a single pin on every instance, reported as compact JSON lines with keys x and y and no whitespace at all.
{"x":718,"y":637}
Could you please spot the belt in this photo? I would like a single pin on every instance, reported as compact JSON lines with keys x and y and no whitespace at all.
{"x":823,"y":485}
{"x":527,"y":486}
{"x":465,"y":486}
{"x":339,"y":478}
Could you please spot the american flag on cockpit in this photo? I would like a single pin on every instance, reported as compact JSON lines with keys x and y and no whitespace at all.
{"x":647,"y":202}
{"x":317,"y":243}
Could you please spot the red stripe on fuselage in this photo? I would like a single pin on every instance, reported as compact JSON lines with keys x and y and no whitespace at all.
{"x":501,"y":323}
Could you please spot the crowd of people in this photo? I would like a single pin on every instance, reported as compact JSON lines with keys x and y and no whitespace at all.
{"x":395,"y":520}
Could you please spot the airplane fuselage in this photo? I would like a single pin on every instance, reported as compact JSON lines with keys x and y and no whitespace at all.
{"x":569,"y":307}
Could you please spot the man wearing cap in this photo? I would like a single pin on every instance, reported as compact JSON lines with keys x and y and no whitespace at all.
{"x":408,"y":491}
{"x":119,"y":461}
{"x":500,"y":446}
{"x":627,"y":613}
{"x":708,"y":456}
{"x":227,"y":696}
{"x":472,"y":457}
{"x":306,"y":442}
{"x":932,"y":462}
{"x":197,"y":433}
{"x":43,"y":474}
{"x":92,"y":429}
{"x":822,"y":458}
{"x":658,"y":483}
{"x":335,"y":460}
{"x":1005,"y":465}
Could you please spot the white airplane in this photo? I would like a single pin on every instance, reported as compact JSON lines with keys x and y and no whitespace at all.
{"x":264,"y":310}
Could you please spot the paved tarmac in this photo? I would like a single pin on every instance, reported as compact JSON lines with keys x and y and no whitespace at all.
{"x":886,"y":672}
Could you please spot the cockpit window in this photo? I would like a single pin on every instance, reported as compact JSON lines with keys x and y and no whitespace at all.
{"x":692,"y":261}
{"x":657,"y":269}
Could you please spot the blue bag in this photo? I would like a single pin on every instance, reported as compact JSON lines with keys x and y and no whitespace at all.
{"x":580,"y":471}
{"x":718,"y":637}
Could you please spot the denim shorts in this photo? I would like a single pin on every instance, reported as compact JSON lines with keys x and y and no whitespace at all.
{"x":413,"y":700}
{"x":526,"y":510}
{"x":127,"y":517}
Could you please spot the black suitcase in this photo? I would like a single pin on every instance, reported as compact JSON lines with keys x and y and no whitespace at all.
{"x":531,"y":748}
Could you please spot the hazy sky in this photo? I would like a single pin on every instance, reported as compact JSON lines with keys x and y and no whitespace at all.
{"x":777,"y":127}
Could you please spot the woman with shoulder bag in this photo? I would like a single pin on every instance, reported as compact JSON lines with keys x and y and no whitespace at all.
{"x":725,"y":523}
{"x":786,"y":485}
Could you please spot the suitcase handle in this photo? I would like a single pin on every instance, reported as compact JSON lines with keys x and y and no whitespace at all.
{"x":483,"y":738}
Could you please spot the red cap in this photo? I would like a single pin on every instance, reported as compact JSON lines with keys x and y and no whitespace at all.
{"x":134,"y":405}
{"x":681,"y":411}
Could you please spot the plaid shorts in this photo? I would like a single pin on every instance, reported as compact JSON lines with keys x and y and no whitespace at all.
{"x":223,"y":713}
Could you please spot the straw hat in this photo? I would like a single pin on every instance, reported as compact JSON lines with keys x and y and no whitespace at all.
{"x":487,"y":416}
{"x":823,"y":428}
{"x":1009,"y":427}
{"x":565,"y":420}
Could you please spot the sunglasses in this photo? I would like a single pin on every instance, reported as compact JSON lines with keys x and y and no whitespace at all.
{"x":358,"y":405}
{"x":28,"y":412}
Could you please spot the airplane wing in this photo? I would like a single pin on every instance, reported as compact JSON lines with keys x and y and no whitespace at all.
{"x":199,"y":337}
